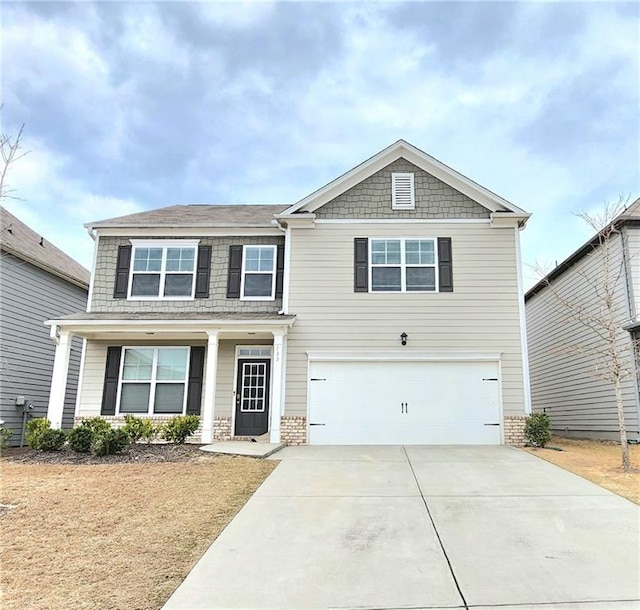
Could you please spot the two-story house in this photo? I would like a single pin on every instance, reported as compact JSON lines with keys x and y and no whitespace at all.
{"x":568,"y":353}
{"x":384,"y":308}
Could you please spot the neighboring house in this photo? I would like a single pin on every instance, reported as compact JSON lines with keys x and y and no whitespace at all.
{"x":384,"y":308}
{"x":37,"y":282}
{"x":563,"y":352}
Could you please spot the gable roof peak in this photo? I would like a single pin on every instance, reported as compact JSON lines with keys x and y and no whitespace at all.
{"x":409,"y":152}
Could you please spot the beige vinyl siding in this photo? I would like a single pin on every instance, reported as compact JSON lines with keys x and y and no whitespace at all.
{"x":96,"y":360}
{"x":481,"y":314}
{"x":632,"y":236}
{"x":564,"y":360}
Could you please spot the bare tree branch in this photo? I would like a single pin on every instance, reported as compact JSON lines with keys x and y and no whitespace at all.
{"x":10,"y":152}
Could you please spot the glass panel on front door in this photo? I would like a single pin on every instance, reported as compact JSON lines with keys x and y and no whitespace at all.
{"x":254,"y":382}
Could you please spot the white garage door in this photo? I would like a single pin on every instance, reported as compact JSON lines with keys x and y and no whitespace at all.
{"x":410,"y":403}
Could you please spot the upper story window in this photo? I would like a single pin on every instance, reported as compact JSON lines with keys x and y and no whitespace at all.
{"x":402,"y":191}
{"x":403,"y":265}
{"x":163,"y":269}
{"x":258,"y":273}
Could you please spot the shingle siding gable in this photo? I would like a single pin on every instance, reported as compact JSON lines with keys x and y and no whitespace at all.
{"x":371,"y":198}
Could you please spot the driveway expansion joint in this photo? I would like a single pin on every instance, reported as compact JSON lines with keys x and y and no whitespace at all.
{"x":435,"y":529}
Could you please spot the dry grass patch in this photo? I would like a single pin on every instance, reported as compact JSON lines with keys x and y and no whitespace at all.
{"x":597,"y":461}
{"x":117,"y":535}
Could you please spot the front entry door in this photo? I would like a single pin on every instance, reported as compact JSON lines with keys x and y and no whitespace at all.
{"x":252,"y":397}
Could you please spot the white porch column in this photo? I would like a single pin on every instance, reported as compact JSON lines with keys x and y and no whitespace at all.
{"x":277,"y":389}
{"x":208,"y":401}
{"x":59,"y":378}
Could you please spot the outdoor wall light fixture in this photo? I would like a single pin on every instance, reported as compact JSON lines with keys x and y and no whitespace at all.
{"x":403,"y":338}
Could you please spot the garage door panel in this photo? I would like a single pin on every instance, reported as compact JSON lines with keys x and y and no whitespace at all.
{"x":358,"y":402}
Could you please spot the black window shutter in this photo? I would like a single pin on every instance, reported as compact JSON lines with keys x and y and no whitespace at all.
{"x":279,"y":272}
{"x":122,"y":272}
{"x":196,"y":374}
{"x":112,"y":371}
{"x":203,"y":271}
{"x":235,"y":271}
{"x":445,"y":264}
{"x":361,"y":264}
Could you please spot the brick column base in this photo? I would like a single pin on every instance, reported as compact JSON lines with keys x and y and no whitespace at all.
{"x":222,"y":429}
{"x":514,"y":430}
{"x":293,"y":430}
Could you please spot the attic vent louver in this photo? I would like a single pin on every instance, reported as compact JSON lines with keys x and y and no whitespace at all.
{"x":402,"y":192}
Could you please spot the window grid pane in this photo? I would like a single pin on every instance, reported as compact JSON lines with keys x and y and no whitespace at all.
{"x":137,"y":364}
{"x":180,"y":259}
{"x":172,"y":364}
{"x":259,"y":259}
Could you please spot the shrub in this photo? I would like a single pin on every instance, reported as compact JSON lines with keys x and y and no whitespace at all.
{"x":96,"y":424}
{"x":139,"y":428}
{"x":35,"y":429}
{"x":52,"y":439}
{"x":178,"y":428}
{"x":5,"y":435}
{"x":537,"y":429}
{"x":109,"y":442}
{"x":80,"y":439}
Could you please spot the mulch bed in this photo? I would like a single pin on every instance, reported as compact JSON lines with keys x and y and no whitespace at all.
{"x":133,"y":454}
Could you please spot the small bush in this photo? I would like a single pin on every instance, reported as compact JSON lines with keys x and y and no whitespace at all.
{"x":80,"y":439}
{"x":109,"y":442}
{"x":139,"y":428}
{"x":52,"y":440}
{"x":35,"y":429}
{"x":537,"y":429}
{"x":96,"y":424}
{"x":178,"y":428}
{"x":5,"y":435}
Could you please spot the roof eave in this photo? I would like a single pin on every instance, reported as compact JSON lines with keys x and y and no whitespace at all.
{"x":207,"y":225}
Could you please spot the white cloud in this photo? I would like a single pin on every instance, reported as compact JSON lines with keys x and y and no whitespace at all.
{"x":57,"y":206}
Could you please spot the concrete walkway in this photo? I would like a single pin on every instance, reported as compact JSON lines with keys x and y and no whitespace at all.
{"x":421,"y":527}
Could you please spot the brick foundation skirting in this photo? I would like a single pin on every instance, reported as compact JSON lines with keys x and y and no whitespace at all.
{"x":293,"y":430}
{"x":514,"y":430}
{"x":117,"y":421}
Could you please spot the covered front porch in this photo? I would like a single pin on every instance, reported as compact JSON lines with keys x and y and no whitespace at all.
{"x":227,"y":368}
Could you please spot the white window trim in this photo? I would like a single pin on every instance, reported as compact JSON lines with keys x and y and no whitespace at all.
{"x":411,"y":177}
{"x":164,"y":244}
{"x":273,"y":273}
{"x":403,"y":265}
{"x":153,"y":380}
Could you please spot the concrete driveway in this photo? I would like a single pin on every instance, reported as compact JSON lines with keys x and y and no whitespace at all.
{"x":421,"y":527}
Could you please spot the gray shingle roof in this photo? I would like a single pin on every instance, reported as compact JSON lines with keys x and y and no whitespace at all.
{"x":21,"y":241}
{"x":196,"y":216}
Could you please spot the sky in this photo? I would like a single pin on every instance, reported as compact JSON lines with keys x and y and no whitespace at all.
{"x":130,"y":106}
